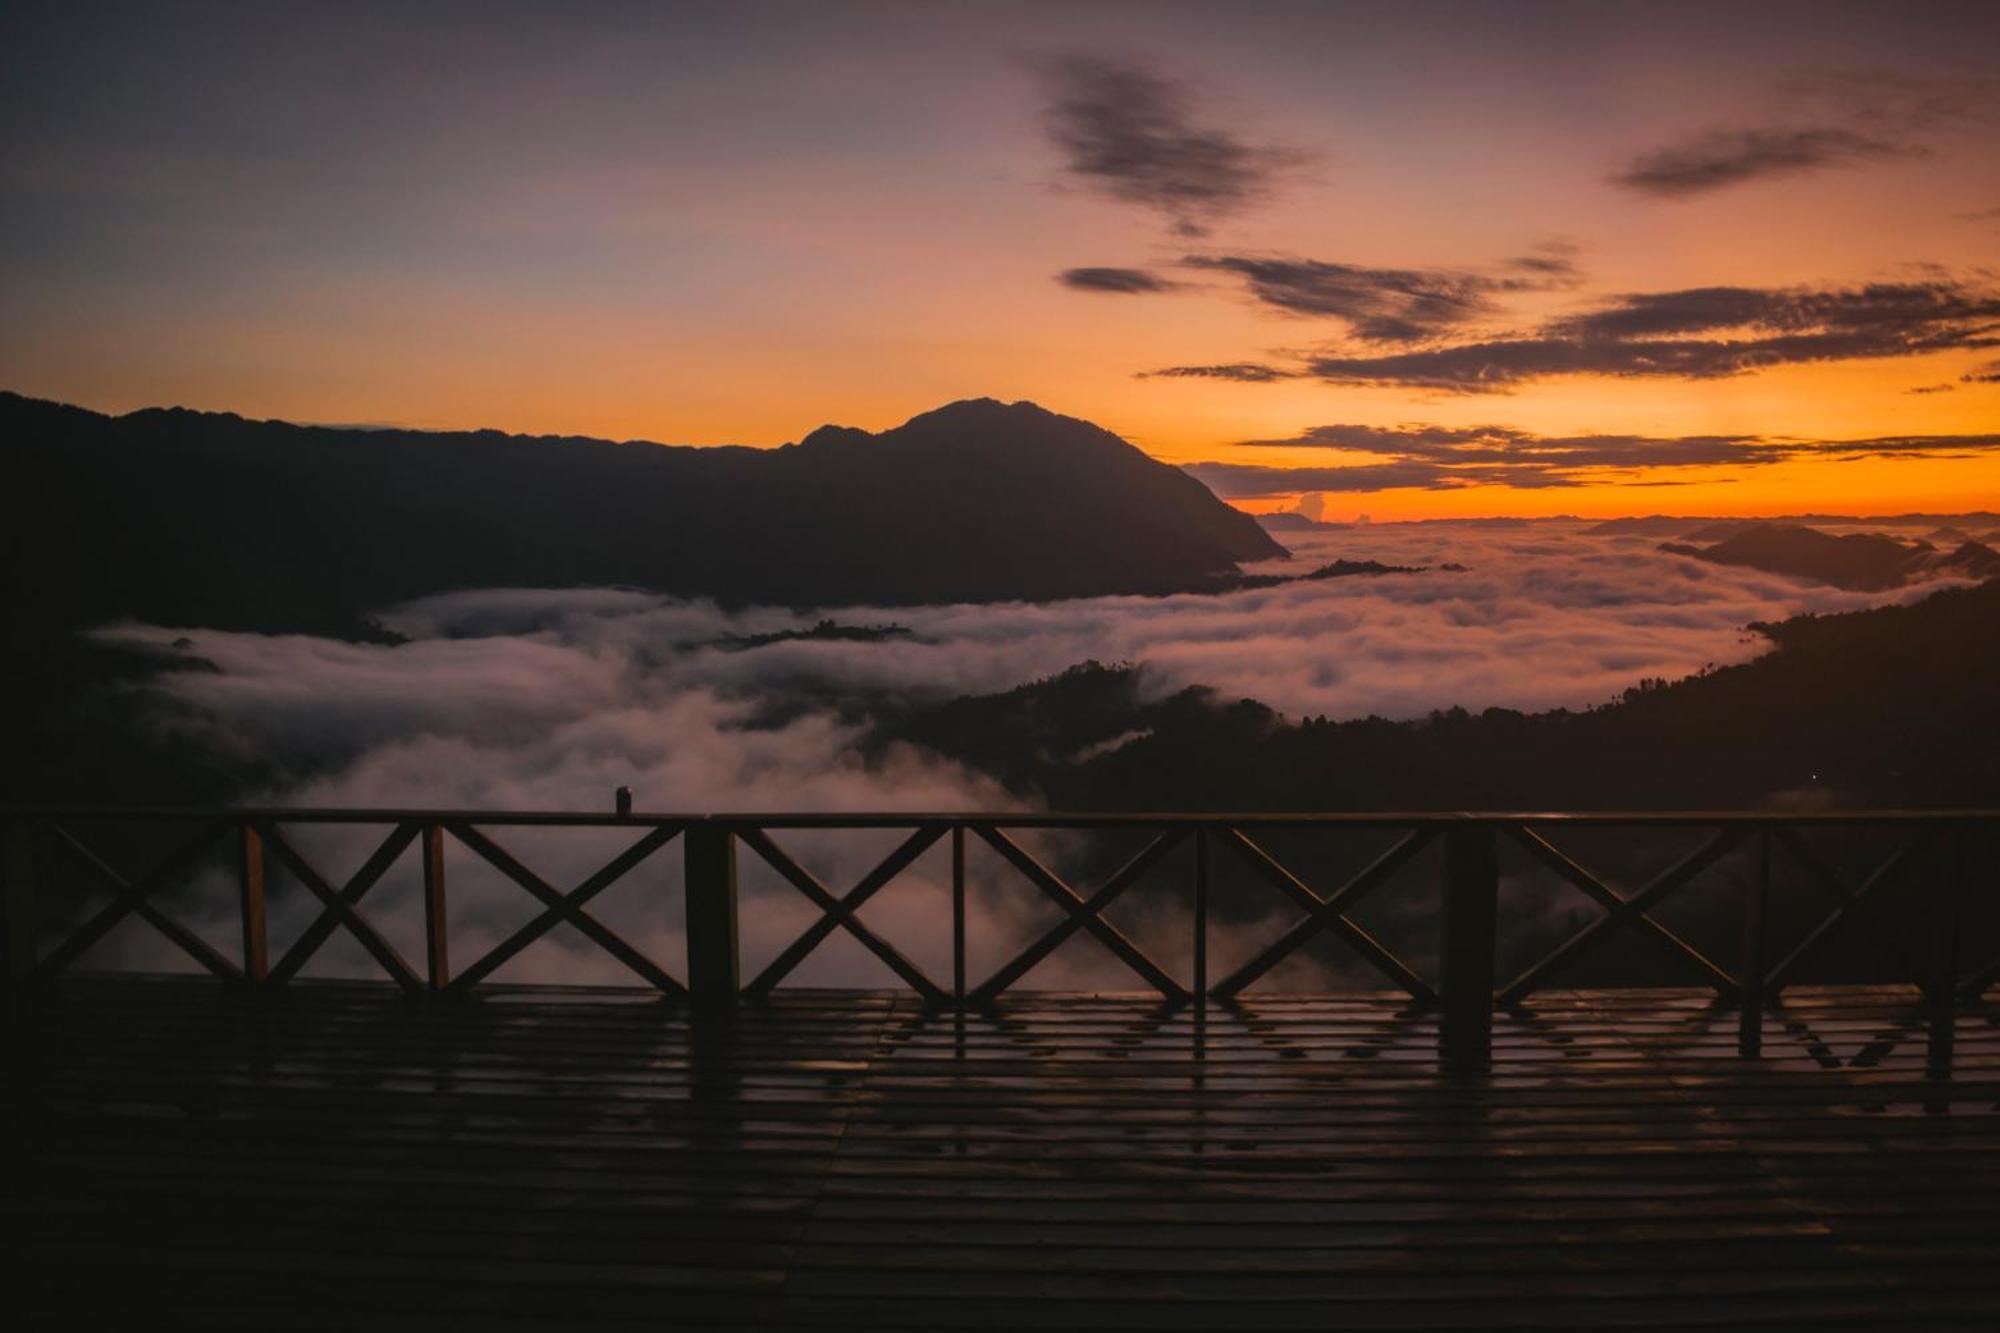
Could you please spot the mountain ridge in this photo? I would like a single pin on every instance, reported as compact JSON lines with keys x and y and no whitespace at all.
{"x":1890,"y":706}
{"x":184,"y":517}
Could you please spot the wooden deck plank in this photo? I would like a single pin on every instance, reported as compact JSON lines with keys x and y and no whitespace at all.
{"x":336,"y":1154}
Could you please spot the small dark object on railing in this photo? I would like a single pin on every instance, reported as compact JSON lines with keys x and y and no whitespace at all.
{"x":623,"y":801}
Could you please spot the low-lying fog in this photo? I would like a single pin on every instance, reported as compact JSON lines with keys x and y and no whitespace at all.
{"x":552,"y":699}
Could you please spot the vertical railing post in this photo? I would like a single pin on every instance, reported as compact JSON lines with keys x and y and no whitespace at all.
{"x":437,"y":932}
{"x":250,"y":887}
{"x":1750,"y":983}
{"x":1466,"y":949}
{"x":958,"y":918}
{"x":713,"y":983}
{"x":1200,"y":920}
{"x":17,"y":899}
{"x":1941,"y":991}
{"x":1200,"y":955}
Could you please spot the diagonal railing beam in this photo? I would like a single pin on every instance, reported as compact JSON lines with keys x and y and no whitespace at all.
{"x":190,"y":943}
{"x":610,"y":873}
{"x":1883,"y":876}
{"x":1852,"y":906}
{"x":1975,"y":986}
{"x":589,"y":926}
{"x":351,"y":893}
{"x":1610,"y":900}
{"x":1566,"y":953}
{"x":840,"y":912}
{"x":130,"y":899}
{"x":1083,"y":914}
{"x":383,"y":952}
{"x":1327,"y":914}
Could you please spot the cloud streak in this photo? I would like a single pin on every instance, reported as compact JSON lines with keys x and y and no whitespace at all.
{"x":1392,"y":305}
{"x":1241,"y":372}
{"x":1115,"y":281}
{"x":1376,"y":304}
{"x":1696,"y":333}
{"x":1433,"y":457}
{"x":1844,"y":119}
{"x":1717,"y":158}
{"x":1131,"y":134}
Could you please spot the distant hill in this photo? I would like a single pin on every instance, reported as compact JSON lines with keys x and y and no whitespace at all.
{"x":191,"y":518}
{"x":1690,"y":527}
{"x":1339,"y":569}
{"x":1289,"y":522}
{"x":1862,"y":561}
{"x":1887,"y":707}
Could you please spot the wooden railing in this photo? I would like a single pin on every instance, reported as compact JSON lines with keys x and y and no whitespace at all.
{"x":1473,"y":921}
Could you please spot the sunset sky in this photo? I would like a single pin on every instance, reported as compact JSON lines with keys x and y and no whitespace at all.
{"x":1450,"y":258}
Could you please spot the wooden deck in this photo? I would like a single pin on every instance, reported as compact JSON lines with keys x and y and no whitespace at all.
{"x":341,"y":1156}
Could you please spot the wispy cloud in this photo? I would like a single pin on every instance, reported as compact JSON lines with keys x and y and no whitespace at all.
{"x":1242,"y":372}
{"x":1131,"y":134}
{"x":1693,"y":333}
{"x":1250,"y":481}
{"x":1376,"y":304}
{"x":1841,"y":119}
{"x":1393,"y":305}
{"x":1715,"y":158}
{"x":1116,"y":281}
{"x":1429,"y":457}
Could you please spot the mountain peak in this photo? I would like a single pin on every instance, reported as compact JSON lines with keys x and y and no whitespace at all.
{"x":963,"y":419}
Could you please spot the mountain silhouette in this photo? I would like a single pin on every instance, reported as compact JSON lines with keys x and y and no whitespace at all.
{"x":192,"y":518}
{"x":1861,"y":561}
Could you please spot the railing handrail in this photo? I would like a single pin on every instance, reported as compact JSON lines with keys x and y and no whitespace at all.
{"x":307,"y":814}
{"x":1465,"y":991}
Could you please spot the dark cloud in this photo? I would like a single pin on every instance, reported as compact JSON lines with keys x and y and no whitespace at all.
{"x":1129,"y":133}
{"x":1393,"y":305}
{"x":1837,"y":119}
{"x":1651,"y":335}
{"x":1932,"y":388}
{"x":1446,"y":457}
{"x":1237,"y":481}
{"x":1717,"y":158}
{"x":1911,"y":309}
{"x":1121,"y":281}
{"x":1243,"y":372}
{"x":1506,"y":445}
{"x":1376,"y":304}
{"x":1986,"y":374}
{"x":1550,"y":264}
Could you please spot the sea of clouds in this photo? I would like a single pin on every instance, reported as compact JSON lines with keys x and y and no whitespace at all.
{"x":551,"y":699}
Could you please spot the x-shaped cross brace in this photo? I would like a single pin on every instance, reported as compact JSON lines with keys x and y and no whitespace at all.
{"x":131,"y":899}
{"x":1852,"y":904}
{"x":1328,"y":914}
{"x":1083,"y":914}
{"x":1611,"y":900}
{"x":567,"y":907}
{"x":339,"y":904}
{"x":841,"y":911}
{"x":1628,"y":912}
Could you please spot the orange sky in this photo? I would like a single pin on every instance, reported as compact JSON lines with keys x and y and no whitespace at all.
{"x":732,"y":224}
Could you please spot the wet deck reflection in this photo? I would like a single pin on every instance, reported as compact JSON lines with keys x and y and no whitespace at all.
{"x":337,"y":1154}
